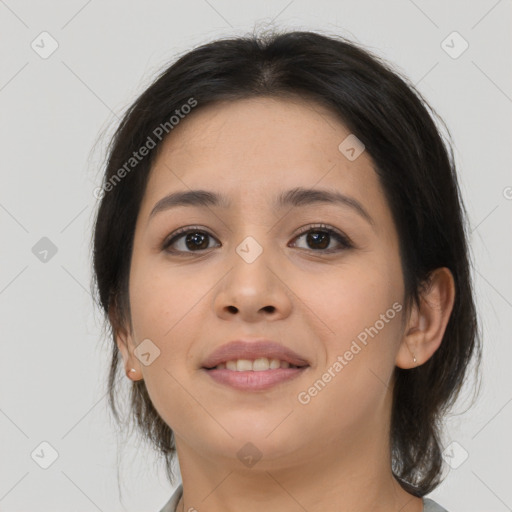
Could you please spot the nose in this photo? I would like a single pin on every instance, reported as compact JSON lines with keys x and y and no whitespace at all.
{"x":253,"y":289}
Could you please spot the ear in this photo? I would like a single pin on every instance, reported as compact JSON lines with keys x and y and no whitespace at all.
{"x":427,"y":323}
{"x":125,"y":343}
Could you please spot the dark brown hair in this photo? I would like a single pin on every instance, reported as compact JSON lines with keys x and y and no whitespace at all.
{"x":415,"y":166}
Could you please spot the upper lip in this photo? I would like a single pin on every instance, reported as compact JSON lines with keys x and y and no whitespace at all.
{"x":240,"y":349}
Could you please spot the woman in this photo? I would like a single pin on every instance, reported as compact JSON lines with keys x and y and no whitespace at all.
{"x":281,"y":253}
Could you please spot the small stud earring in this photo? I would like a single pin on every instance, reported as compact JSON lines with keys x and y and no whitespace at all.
{"x":133,"y":370}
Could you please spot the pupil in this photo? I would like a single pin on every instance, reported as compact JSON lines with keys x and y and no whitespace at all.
{"x":195,"y":237}
{"x":323,"y":237}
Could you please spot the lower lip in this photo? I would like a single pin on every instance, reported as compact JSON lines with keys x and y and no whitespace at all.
{"x":252,"y":380}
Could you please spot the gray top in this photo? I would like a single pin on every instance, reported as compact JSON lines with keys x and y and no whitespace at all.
{"x":428,"y":504}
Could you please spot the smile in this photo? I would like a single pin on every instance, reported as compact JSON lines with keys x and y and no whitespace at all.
{"x":254,"y":375}
{"x":256,"y":365}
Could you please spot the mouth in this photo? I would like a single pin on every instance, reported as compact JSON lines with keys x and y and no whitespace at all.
{"x":254,"y":366}
{"x":257,"y":365}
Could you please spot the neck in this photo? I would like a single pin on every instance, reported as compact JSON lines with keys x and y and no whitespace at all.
{"x":346,"y":478}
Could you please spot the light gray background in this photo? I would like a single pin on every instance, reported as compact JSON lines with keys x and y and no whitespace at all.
{"x":53,"y":362}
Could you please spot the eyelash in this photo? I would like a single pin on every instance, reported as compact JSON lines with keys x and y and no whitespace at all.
{"x":340,"y":238}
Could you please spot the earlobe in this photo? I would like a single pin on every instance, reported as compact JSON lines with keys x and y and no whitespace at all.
{"x":427,"y":322}
{"x":124,"y":342}
{"x":131,"y":363}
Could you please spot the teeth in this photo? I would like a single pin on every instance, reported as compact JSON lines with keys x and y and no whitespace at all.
{"x":243,"y":365}
{"x":258,"y":365}
{"x":275,"y":363}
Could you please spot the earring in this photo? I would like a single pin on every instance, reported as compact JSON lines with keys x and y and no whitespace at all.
{"x":133,"y":370}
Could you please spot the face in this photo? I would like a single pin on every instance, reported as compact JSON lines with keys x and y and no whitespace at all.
{"x":320,"y":278}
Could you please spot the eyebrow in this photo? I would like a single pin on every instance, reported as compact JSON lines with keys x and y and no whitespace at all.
{"x":294,"y":197}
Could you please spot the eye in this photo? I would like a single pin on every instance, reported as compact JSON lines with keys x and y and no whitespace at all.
{"x":191,"y":239}
{"x":195,"y":239}
{"x":320,"y":236}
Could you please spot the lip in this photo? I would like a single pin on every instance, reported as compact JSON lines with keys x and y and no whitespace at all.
{"x":241,"y":349}
{"x":253,"y":380}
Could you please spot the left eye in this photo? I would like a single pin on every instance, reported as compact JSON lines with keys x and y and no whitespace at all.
{"x":322,"y":235}
{"x":196,"y":240}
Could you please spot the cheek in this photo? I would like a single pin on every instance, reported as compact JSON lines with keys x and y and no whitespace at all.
{"x":166,"y":310}
{"x":162,"y":306}
{"x":348,"y":301}
{"x":363,"y":314}
{"x":162,"y":300}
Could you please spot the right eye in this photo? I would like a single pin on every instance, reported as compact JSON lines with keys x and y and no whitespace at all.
{"x":187,"y":240}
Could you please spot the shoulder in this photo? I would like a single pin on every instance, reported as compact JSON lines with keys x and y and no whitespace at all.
{"x":171,"y":505}
{"x":431,"y":506}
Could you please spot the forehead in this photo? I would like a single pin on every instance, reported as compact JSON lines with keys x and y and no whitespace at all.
{"x":254,"y":148}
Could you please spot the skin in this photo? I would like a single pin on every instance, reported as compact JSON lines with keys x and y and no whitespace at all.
{"x":333,"y":452}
